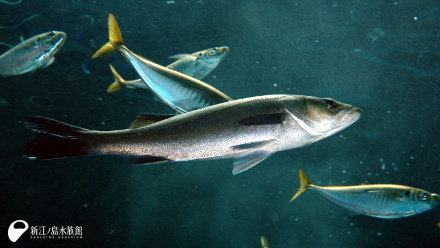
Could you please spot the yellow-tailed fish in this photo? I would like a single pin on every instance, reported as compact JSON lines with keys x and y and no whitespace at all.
{"x":179,"y":91}
{"x":197,"y":65}
{"x":31,"y":54}
{"x":248,"y":130}
{"x":387,"y":201}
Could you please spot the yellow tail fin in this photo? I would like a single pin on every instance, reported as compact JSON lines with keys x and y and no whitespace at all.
{"x":264,"y":243}
{"x":304,"y":184}
{"x":114,"y":36}
{"x":118,"y":83}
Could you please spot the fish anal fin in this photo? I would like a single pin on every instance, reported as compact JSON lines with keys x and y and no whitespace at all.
{"x":248,"y":160}
{"x":264,"y":119}
{"x":144,"y":119}
{"x":147,"y":159}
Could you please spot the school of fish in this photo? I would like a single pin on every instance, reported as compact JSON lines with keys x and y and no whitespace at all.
{"x":208,"y":124}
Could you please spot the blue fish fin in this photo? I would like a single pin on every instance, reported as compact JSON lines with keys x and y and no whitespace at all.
{"x":248,"y":160}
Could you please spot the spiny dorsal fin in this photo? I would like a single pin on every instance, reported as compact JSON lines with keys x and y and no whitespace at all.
{"x":144,"y":119}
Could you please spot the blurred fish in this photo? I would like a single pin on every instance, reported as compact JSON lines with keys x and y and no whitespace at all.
{"x":197,"y":65}
{"x":264,"y":243}
{"x":438,"y":224}
{"x":387,"y":201}
{"x":248,"y":130}
{"x":179,"y":91}
{"x":41,"y":101}
{"x":3,"y":101}
{"x":31,"y":54}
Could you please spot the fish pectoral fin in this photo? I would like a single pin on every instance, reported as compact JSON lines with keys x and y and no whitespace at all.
{"x":248,"y":160}
{"x":147,"y":159}
{"x":264,"y":119}
{"x":144,"y":119}
{"x":49,"y":62}
{"x":253,"y":145}
{"x":182,"y":56}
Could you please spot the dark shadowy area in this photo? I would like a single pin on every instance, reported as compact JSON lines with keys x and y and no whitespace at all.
{"x":381,"y":56}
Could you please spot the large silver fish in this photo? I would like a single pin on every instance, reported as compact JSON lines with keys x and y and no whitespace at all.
{"x":248,"y":130}
{"x":387,"y":201}
{"x":31,"y":54}
{"x":179,"y":91}
{"x":197,"y":65}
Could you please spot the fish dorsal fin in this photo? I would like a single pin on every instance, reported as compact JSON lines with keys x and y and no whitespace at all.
{"x":248,"y":160}
{"x":144,"y":119}
{"x":264,"y":119}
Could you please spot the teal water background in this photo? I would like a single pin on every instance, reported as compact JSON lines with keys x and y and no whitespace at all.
{"x":381,"y":56}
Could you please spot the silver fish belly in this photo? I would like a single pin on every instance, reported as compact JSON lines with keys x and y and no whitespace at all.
{"x":248,"y":130}
{"x":31,"y":54}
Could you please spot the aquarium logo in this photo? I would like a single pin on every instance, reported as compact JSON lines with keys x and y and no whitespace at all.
{"x":44,"y":232}
{"x":15,"y":233}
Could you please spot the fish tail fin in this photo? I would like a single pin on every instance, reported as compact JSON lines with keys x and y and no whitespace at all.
{"x":114,"y":36}
{"x":118,"y":83}
{"x":304,"y":184}
{"x":56,"y":139}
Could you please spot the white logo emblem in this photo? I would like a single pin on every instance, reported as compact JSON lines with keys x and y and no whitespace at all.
{"x":15,"y":233}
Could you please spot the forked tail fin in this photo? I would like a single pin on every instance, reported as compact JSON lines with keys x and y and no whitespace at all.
{"x":118,"y":83}
{"x":304,"y":184}
{"x":114,"y":36}
{"x":56,"y":139}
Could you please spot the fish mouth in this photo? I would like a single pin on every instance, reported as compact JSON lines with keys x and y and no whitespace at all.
{"x":434,"y":200}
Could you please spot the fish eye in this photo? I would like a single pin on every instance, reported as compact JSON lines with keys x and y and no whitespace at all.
{"x":424,"y":196}
{"x":51,"y":35}
{"x":213,"y":51}
{"x":330,"y":103}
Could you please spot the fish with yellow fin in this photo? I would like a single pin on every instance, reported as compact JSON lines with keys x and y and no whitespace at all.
{"x":264,"y":243}
{"x":179,"y":91}
{"x":197,"y":65}
{"x":387,"y":201}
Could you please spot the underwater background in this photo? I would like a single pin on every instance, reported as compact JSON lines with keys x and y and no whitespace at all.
{"x":380,"y":56}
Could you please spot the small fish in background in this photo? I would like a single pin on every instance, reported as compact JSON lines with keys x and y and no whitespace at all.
{"x":180,"y":92}
{"x":248,"y":130}
{"x":264,"y":243}
{"x":197,"y":65}
{"x":438,"y":224}
{"x":3,"y":101}
{"x":387,"y":201}
{"x":31,"y":54}
{"x":41,"y":101}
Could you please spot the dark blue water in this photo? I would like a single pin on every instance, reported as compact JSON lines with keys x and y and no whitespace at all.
{"x":381,"y":56}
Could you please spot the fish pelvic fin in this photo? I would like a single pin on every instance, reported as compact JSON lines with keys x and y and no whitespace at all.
{"x":118,"y":83}
{"x":114,"y":36}
{"x":56,"y":139}
{"x":304,"y":184}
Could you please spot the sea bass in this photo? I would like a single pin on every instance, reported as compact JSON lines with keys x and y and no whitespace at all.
{"x":248,"y":130}
{"x":387,"y":201}
{"x":31,"y":54}
{"x":179,"y":91}
{"x":197,"y":65}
